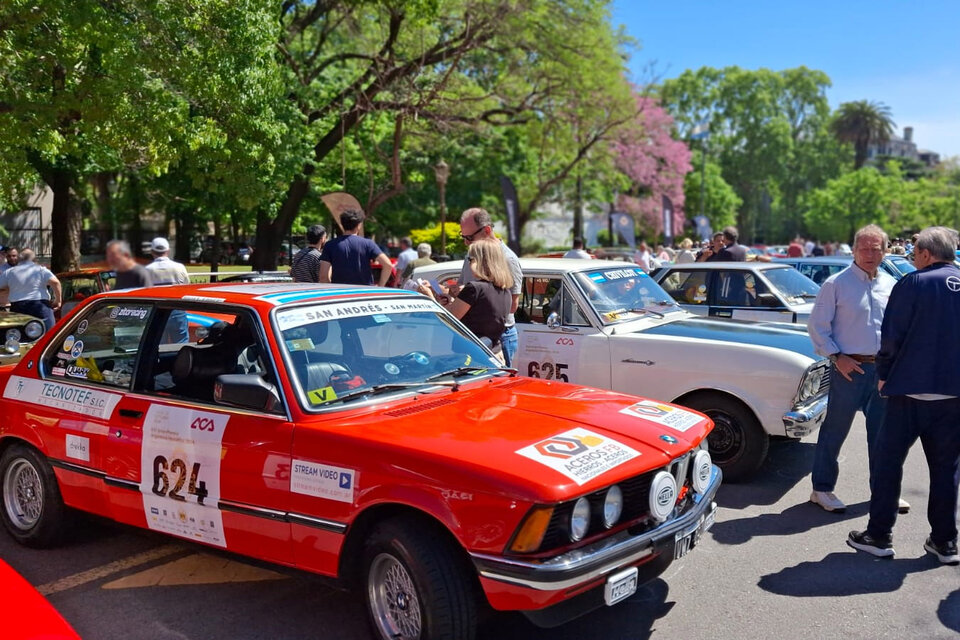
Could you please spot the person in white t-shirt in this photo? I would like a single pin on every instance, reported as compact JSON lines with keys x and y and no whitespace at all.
{"x":577,"y":251}
{"x":166,"y":272}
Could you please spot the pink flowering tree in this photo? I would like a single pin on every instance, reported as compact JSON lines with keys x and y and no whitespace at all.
{"x":655,"y":164}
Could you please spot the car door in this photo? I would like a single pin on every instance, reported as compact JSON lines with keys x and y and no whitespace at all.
{"x":194,"y":468}
{"x":742,"y":294}
{"x":689,"y":287}
{"x":557,"y":340}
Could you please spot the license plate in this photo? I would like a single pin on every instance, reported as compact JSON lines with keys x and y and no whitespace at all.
{"x":683,"y":542}
{"x":620,"y":586}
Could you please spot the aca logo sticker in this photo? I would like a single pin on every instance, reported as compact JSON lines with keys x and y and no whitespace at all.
{"x":673,"y":417}
{"x":579,"y":454}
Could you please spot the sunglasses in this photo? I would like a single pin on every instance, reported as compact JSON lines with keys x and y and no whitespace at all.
{"x":470,"y":237}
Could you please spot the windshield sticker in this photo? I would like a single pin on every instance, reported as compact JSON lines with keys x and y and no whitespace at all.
{"x":300,"y":344}
{"x":82,"y":327}
{"x":323,"y":481}
{"x":54,"y":395}
{"x":380,"y":318}
{"x":579,"y":454}
{"x":68,"y":344}
{"x":619,"y":274}
{"x":597,"y":277}
{"x":180,"y":472}
{"x":323,"y":312}
{"x":77,"y":372}
{"x":77,"y":350}
{"x":673,"y":417}
{"x":319,"y":396}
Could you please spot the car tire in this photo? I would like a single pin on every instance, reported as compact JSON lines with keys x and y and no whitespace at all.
{"x":738,"y":444}
{"x":32,"y":511}
{"x":416,"y":585}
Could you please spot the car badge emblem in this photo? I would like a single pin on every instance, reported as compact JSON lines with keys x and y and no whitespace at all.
{"x":669,"y":439}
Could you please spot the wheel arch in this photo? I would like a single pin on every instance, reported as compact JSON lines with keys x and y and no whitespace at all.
{"x":705,"y":391}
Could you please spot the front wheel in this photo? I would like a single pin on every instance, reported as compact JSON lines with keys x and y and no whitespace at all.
{"x":416,"y":586}
{"x":33,"y":510}
{"x":738,"y":444}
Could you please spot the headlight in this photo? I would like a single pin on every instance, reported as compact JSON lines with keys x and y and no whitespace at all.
{"x":612,"y":506}
{"x":579,"y":520}
{"x":12,"y":335}
{"x":663,"y":496}
{"x":811,"y":383}
{"x":33,"y":329}
{"x":11,"y":346}
{"x":702,"y":468}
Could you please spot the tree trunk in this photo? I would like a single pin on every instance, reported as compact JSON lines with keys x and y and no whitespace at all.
{"x":66,"y":222}
{"x":136,"y":228}
{"x":270,"y":233}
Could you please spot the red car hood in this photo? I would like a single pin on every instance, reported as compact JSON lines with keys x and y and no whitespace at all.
{"x":534,"y":436}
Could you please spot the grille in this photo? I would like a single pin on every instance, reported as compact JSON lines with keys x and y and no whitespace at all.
{"x":824,"y":382}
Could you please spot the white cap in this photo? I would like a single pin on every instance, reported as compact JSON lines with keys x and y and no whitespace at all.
{"x":160,"y":245}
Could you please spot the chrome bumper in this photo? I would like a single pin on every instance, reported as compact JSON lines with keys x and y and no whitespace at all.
{"x":804,"y":419}
{"x":603,"y":557}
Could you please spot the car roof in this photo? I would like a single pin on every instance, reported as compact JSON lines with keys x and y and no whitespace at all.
{"x":542,"y":264}
{"x":265,"y":295}
{"x":714,"y":266}
{"x":844,"y":260}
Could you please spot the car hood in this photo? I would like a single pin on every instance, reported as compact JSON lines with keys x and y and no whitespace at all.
{"x":523,"y":433}
{"x":781,"y":336}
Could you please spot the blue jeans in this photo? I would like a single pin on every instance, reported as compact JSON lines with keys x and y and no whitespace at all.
{"x":38,"y":309}
{"x":846,"y":398}
{"x":937,"y":424}
{"x":509,"y":343}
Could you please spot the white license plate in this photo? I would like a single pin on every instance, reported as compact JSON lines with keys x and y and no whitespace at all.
{"x":683,"y":542}
{"x":620,"y":586}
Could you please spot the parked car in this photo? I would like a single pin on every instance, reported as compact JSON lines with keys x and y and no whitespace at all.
{"x":20,"y":332}
{"x":27,"y":614}
{"x":80,"y":285}
{"x":820,"y":268}
{"x":742,"y":290}
{"x":360,"y":433}
{"x":609,"y":325}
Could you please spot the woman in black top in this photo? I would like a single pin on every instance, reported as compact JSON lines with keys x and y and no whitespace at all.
{"x":484,"y":303}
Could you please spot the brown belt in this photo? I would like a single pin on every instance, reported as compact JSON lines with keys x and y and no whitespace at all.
{"x":861,"y":359}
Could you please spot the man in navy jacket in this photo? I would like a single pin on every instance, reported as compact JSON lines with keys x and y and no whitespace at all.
{"x":918,"y":368}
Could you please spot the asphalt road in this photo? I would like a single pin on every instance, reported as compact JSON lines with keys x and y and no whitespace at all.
{"x":773,"y":566}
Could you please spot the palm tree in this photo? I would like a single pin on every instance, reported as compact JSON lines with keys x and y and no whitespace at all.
{"x":860,"y":123}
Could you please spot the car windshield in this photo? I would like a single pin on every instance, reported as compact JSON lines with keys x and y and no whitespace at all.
{"x":794,"y":287}
{"x":342,"y":351}
{"x":624,"y":293}
{"x":902,"y":265}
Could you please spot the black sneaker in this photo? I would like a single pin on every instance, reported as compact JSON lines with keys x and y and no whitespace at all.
{"x":946,"y":552}
{"x":882,"y":548}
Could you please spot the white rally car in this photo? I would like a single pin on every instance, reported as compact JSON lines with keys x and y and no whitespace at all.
{"x":609,"y":325}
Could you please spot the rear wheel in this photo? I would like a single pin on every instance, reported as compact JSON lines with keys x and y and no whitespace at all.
{"x":738,"y":444}
{"x":33,"y":510}
{"x":416,"y":585}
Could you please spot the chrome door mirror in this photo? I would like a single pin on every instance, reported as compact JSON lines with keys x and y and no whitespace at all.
{"x":553,"y":320}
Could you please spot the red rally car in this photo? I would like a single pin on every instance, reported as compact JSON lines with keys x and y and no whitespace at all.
{"x":359,"y":433}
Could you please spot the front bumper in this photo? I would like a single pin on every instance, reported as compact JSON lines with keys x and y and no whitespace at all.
{"x":12,"y":358}
{"x":585,"y":565}
{"x":804,"y":419}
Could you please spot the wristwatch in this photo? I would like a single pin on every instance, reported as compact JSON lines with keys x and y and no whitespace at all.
{"x":833,"y":357}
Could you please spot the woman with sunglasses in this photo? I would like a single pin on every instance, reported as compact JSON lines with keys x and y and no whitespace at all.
{"x":483,"y":304}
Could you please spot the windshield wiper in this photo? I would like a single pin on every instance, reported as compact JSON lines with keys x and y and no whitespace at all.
{"x":380,"y":388}
{"x":462,"y":371}
{"x":645,"y":310}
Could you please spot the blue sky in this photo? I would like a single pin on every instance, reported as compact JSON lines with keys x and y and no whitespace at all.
{"x":905,"y":54}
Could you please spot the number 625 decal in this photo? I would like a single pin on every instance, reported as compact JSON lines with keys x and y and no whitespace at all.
{"x":548,"y":371}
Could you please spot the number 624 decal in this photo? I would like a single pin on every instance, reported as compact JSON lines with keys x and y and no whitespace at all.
{"x":548,"y":371}
{"x":176,"y":471}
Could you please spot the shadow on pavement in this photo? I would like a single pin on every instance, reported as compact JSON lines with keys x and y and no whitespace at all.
{"x":799,"y":518}
{"x":846,"y":574}
{"x":787,"y":463}
{"x":642,"y":610}
{"x":949,"y":611}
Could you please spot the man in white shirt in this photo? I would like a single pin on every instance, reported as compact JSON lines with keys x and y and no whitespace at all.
{"x":407,"y":255}
{"x":163,"y":270}
{"x":27,"y":282}
{"x":577,"y":251}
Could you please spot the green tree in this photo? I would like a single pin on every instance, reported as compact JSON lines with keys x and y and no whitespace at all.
{"x":853,"y":200}
{"x":860,"y":123}
{"x":721,"y":201}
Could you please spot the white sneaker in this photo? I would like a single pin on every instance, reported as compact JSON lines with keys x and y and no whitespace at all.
{"x":903,"y":507}
{"x":828,"y":501}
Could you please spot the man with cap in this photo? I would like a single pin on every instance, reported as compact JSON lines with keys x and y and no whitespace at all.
{"x":163,"y":270}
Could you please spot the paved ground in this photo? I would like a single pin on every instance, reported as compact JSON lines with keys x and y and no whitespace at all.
{"x":773,"y":566}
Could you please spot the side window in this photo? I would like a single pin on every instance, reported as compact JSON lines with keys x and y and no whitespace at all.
{"x":102,"y":346}
{"x":755,"y":292}
{"x":538,"y":299}
{"x":572,"y":315}
{"x":730,"y":288}
{"x":196,"y":346}
{"x":686,"y":287}
{"x":77,"y":289}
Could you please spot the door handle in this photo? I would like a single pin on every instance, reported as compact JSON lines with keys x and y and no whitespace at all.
{"x":724,"y":314}
{"x":131,"y":413}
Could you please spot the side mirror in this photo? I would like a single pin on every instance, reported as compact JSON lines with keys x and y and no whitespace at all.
{"x":553,"y":320}
{"x":768,"y":300}
{"x":247,"y":391}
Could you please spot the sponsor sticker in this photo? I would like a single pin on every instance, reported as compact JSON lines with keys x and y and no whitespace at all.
{"x":74,"y":371}
{"x":68,"y":344}
{"x":673,"y":417}
{"x":82,"y":327}
{"x":618,"y":274}
{"x":129,"y":312}
{"x":319,"y":396}
{"x":322,"y":312}
{"x":65,"y":397}
{"x":300,"y":344}
{"x":180,"y":472}
{"x":78,"y":447}
{"x":323,"y":481}
{"x":77,"y":349}
{"x":579,"y":454}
